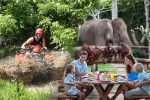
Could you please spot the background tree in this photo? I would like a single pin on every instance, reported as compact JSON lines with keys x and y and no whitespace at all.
{"x":62,"y":15}
{"x":65,"y":17}
{"x":8,"y":30}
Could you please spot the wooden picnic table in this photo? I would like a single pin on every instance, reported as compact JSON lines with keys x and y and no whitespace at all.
{"x":104,"y":92}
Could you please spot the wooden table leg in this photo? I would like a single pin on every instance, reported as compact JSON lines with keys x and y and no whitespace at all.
{"x":100,"y":92}
{"x":104,"y":92}
{"x":107,"y":90}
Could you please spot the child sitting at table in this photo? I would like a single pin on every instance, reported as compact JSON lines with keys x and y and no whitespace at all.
{"x":142,"y":86}
{"x":70,"y":80}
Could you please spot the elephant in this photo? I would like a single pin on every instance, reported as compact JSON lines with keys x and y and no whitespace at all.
{"x":98,"y":32}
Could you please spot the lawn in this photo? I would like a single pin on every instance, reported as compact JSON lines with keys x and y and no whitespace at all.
{"x":104,"y":68}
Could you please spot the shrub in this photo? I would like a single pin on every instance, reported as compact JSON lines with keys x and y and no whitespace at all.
{"x":63,"y":37}
{"x":8,"y":26}
{"x":8,"y":30}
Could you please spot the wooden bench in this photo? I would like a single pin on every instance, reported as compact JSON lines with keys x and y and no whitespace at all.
{"x":62,"y":95}
{"x":141,"y":97}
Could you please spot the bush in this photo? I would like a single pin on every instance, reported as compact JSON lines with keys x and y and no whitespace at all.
{"x":8,"y":27}
{"x":63,"y":37}
{"x":8,"y":30}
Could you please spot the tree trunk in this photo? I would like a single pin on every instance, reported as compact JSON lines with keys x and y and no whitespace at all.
{"x":114,"y":11}
{"x":134,"y":38}
{"x":146,"y":4}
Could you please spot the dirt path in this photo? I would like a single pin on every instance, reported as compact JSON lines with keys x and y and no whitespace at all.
{"x":7,"y":60}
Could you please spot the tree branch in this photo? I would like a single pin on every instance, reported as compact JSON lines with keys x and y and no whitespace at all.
{"x":97,"y":12}
{"x":134,"y":38}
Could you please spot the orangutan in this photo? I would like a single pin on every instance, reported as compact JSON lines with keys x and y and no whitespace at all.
{"x":109,"y":53}
{"x":123,"y":50}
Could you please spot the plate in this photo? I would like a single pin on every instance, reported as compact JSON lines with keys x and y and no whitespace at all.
{"x":122,"y":81}
{"x":85,"y":76}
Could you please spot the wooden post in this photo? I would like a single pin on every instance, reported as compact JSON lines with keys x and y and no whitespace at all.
{"x":114,"y":11}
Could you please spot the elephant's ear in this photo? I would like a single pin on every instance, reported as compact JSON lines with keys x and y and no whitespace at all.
{"x":118,"y":23}
{"x":120,"y":31}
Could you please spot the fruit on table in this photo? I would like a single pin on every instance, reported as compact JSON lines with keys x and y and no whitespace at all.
{"x":91,"y":74}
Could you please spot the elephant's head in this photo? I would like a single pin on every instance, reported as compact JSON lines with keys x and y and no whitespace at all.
{"x":98,"y":32}
{"x":120,"y":31}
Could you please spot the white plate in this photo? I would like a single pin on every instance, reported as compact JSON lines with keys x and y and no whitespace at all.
{"x":122,"y":81}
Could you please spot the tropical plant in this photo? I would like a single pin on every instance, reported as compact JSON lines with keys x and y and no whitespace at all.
{"x":8,"y":26}
{"x":11,"y":90}
{"x":65,"y":15}
{"x":132,"y":12}
{"x":67,"y":12}
{"x":63,"y":37}
{"x":24,"y":11}
{"x":8,"y":30}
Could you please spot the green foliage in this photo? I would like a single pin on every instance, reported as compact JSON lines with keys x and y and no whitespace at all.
{"x":45,"y":23}
{"x":143,"y":32}
{"x":105,"y":4}
{"x":29,"y":14}
{"x":23,"y":11}
{"x":8,"y":27}
{"x":65,"y":16}
{"x":67,"y":12}
{"x":137,"y":52}
{"x":63,"y":37}
{"x":8,"y":30}
{"x":13,"y":91}
{"x":132,"y":12}
{"x":37,"y":13}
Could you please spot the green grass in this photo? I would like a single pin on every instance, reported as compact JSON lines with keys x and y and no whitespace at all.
{"x":104,"y":68}
{"x":10,"y":90}
{"x":148,"y":70}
